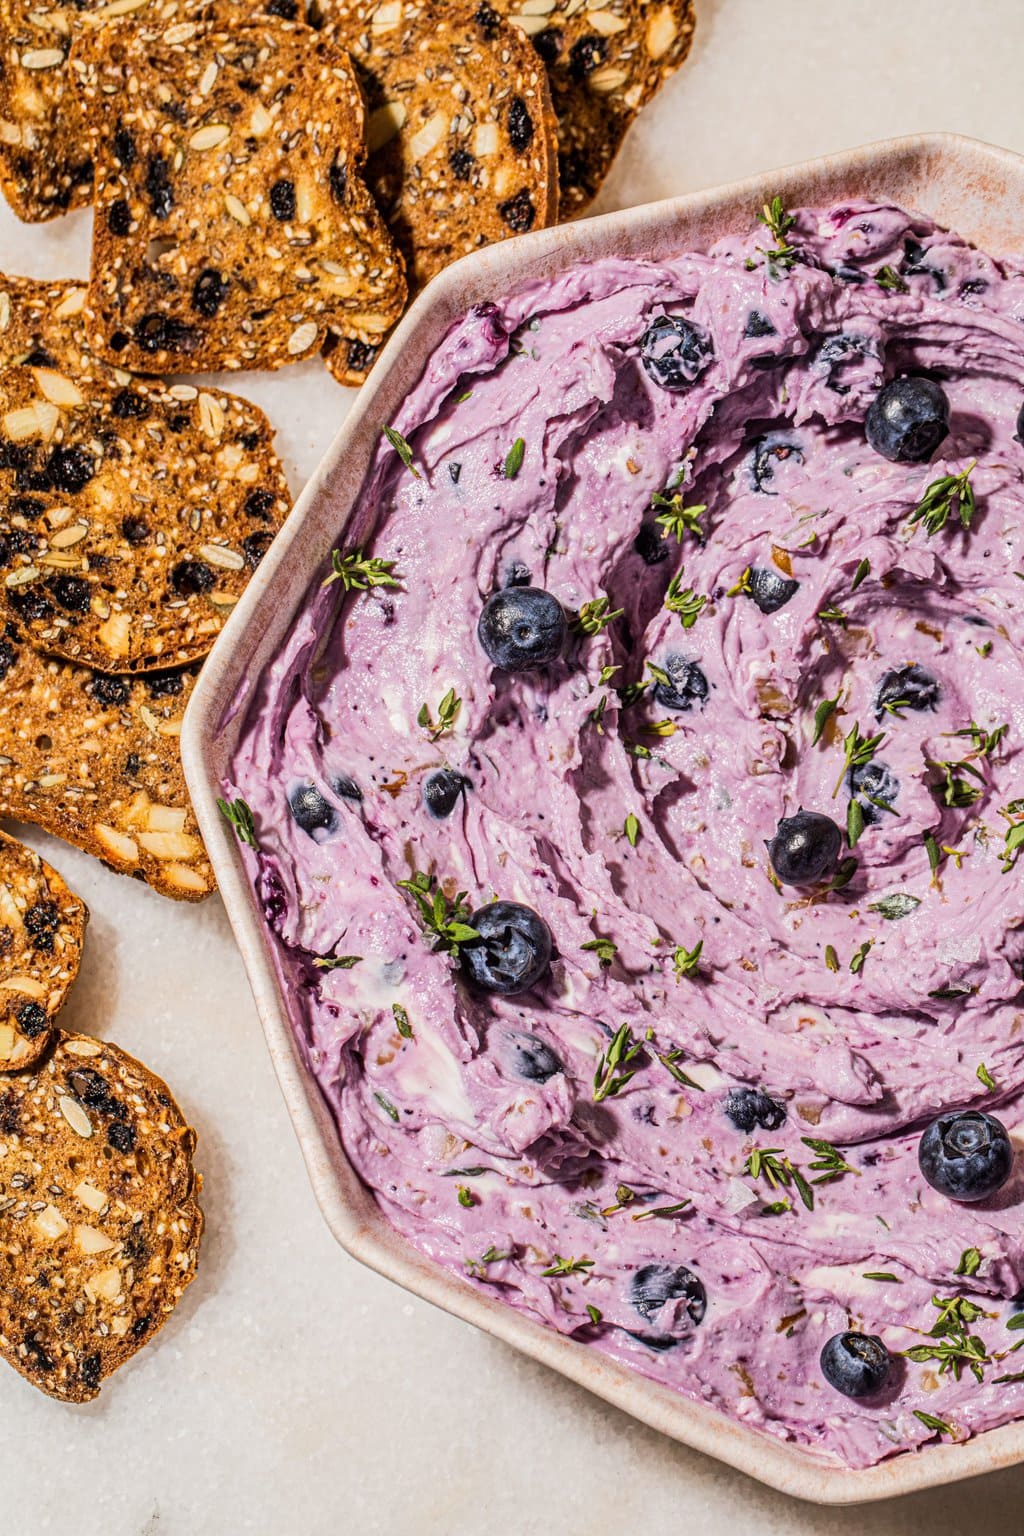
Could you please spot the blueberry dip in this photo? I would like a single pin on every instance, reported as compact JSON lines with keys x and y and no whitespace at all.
{"x":635,"y":806}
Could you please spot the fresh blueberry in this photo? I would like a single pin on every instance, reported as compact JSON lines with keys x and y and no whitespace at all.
{"x":837,"y":353}
{"x":522,"y":628}
{"x":530,"y":1058}
{"x":346,"y":787}
{"x":311,"y":811}
{"x":650,"y":545}
{"x":876,"y":786}
{"x":758,"y":325}
{"x":856,"y":1364}
{"x":768,"y":453}
{"x":655,"y":1284}
{"x":687,"y":686}
{"x":751,"y":1107}
{"x":907,"y":420}
{"x":675,"y":352}
{"x":517,"y":574}
{"x":442,"y":791}
{"x":769,"y":590}
{"x":907,"y":687}
{"x":1020,"y":425}
{"x":966,"y":1155}
{"x":805,"y":848}
{"x":513,"y":949}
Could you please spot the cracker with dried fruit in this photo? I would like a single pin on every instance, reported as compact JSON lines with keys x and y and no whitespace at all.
{"x":605,"y":60}
{"x":461,"y":132}
{"x":133,"y":517}
{"x":95,"y":759}
{"x":42,"y":928}
{"x":99,"y":1220}
{"x":232,"y":225}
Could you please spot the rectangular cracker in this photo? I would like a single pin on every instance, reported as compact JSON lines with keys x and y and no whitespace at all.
{"x":232,"y":227}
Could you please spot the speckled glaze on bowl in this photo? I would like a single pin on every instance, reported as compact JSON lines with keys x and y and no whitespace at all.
{"x":974,"y":188}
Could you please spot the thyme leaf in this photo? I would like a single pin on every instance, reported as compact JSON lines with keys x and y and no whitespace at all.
{"x":402,"y":448}
{"x":239,"y":815}
{"x":358,"y":573}
{"x":949,"y":496}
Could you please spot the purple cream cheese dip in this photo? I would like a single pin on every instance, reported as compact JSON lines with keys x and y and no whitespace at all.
{"x":693,"y":1143}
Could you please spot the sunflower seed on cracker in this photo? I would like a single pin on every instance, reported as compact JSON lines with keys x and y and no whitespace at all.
{"x":99,"y":1220}
{"x":94,"y":759}
{"x":605,"y":60}
{"x":42,"y":926}
{"x":133,"y":519}
{"x":180,"y":281}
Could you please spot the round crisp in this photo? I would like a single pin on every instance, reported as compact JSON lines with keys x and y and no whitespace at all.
{"x":42,"y":927}
{"x":133,"y":517}
{"x":99,"y":1219}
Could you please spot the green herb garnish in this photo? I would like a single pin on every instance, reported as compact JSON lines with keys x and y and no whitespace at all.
{"x":858,"y":750}
{"x":240,"y":817}
{"x":402,"y":1021}
{"x":778,"y":222}
{"x":860,"y":574}
{"x":857,"y":963}
{"x":337,"y":962}
{"x":604,"y":949}
{"x":882,"y":1274}
{"x":829,"y":1163}
{"x":387,"y":1106}
{"x":887,"y":277}
{"x":854,"y":822}
{"x":899,"y":904}
{"x":772,"y":1165}
{"x":594,"y":616}
{"x":561,"y":1266}
{"x":358,"y":573}
{"x":686,"y":962}
{"x":631,"y":830}
{"x":670,"y":1061}
{"x":970,"y":1262}
{"x":614,"y":1067}
{"x":985,"y":1077}
{"x":676,"y":519}
{"x":402,"y":448}
{"x":594,"y":1313}
{"x":949,"y":496}
{"x":831,"y":958}
{"x":465,"y":1196}
{"x":685,"y":603}
{"x":514,"y":459}
{"x":822,"y":714}
{"x":931,"y":1422}
{"x":447,"y":714}
{"x":445,"y":920}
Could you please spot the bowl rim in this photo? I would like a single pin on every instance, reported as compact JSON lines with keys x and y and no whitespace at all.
{"x":249,"y":640}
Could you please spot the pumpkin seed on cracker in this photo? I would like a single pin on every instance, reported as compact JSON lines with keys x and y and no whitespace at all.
{"x":605,"y":60}
{"x":42,"y":926}
{"x":95,"y":759}
{"x":133,"y":517}
{"x":99,"y":1220}
{"x":232,"y":227}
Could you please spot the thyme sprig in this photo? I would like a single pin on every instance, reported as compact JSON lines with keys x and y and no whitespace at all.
{"x":858,"y":750}
{"x":686,"y":603}
{"x":560,"y":1266}
{"x":829,"y":1163}
{"x":686,"y":962}
{"x":447,"y":714}
{"x":594,"y":616}
{"x":949,"y":496}
{"x":443,"y":918}
{"x":337,"y":962}
{"x":771,"y":1164}
{"x":358,"y":572}
{"x":778,"y":222}
{"x":239,"y":815}
{"x":617,"y":1065}
{"x":676,"y":519}
{"x":952,"y":1344}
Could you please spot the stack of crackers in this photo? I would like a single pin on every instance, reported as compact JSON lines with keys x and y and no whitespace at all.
{"x":99,"y":1221}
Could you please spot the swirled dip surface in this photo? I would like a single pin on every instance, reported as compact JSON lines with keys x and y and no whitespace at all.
{"x":636,"y":1214}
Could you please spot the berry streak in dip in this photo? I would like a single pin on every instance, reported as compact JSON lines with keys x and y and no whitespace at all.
{"x":636,"y":809}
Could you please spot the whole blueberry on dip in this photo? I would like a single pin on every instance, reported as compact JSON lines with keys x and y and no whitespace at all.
{"x":522,"y":628}
{"x":907,"y":420}
{"x":967,"y":1155}
{"x":856,"y":1364}
{"x":512,"y":950}
{"x":805,"y":848}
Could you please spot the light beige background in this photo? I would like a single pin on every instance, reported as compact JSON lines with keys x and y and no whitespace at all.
{"x":296,"y":1392}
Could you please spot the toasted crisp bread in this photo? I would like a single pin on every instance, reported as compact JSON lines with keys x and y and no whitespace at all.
{"x":42,"y":926}
{"x":605,"y":60}
{"x":99,"y":1221}
{"x":95,"y":760}
{"x":232,"y":227}
{"x":42,"y":323}
{"x":350,"y":361}
{"x":461,"y":131}
{"x":46,"y":163}
{"x":132,"y":518}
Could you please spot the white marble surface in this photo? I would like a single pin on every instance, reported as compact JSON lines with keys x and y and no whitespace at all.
{"x":296,"y":1392}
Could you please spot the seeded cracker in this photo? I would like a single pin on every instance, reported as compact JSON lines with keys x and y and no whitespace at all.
{"x":132,"y":518}
{"x":42,"y":926}
{"x":232,"y":227}
{"x":605,"y":60}
{"x":95,"y":759}
{"x":99,"y":1221}
{"x":42,"y":323}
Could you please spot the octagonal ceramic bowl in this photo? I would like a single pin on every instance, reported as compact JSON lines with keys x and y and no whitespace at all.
{"x":976,"y":189}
